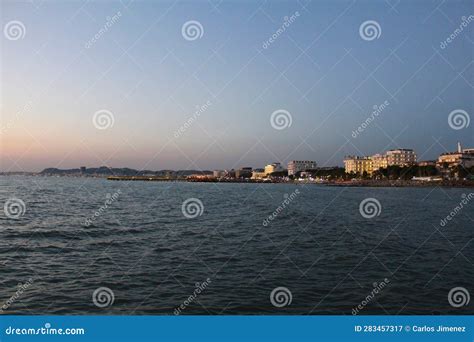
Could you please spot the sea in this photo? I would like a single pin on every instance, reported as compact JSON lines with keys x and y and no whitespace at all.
{"x":93,"y":246}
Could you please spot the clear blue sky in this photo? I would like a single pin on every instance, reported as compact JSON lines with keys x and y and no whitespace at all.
{"x":151,"y":79}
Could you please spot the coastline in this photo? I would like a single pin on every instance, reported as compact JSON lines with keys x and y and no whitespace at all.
{"x":334,"y":183}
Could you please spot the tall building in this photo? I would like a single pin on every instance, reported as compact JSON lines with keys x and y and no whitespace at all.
{"x":401,"y":157}
{"x":295,"y":166}
{"x":379,"y":161}
{"x":275,"y":167}
{"x":358,"y":164}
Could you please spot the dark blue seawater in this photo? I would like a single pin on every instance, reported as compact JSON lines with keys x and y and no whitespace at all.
{"x":318,"y":246}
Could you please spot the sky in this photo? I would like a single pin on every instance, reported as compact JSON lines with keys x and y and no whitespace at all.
{"x":125,"y":84}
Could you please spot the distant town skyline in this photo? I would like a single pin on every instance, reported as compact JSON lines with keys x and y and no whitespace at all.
{"x":172,"y":85}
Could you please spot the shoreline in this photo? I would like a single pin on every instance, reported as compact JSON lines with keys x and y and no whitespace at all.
{"x":336,"y":183}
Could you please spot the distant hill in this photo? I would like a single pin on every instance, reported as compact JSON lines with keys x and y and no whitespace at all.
{"x":104,"y":171}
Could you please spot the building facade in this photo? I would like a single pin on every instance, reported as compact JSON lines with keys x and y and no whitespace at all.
{"x":401,"y":157}
{"x":245,"y":172}
{"x":462,"y":157}
{"x":259,"y":174}
{"x":274,"y":167}
{"x":295,"y":166}
{"x":354,"y":164}
{"x":379,"y":161}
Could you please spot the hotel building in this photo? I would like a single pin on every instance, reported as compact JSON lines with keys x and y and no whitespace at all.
{"x":462,"y":157}
{"x":358,"y":164}
{"x":399,"y":157}
{"x":379,"y":161}
{"x":295,"y":166}
{"x":275,"y":167}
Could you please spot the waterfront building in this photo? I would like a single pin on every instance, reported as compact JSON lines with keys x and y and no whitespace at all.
{"x":379,"y":161}
{"x":259,"y":174}
{"x":245,"y":172}
{"x":230,"y":173}
{"x":355,"y":164}
{"x":295,"y":166}
{"x":401,"y":157}
{"x":274,"y":167}
{"x":219,"y":173}
{"x":427,"y":163}
{"x":462,"y":157}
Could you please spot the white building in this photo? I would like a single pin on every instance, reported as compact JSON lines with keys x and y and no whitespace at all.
{"x":401,"y":157}
{"x":295,"y":166}
{"x":462,"y":157}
